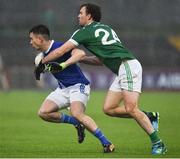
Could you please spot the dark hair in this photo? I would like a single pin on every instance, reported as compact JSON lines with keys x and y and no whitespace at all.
{"x":94,"y":10}
{"x":41,"y":29}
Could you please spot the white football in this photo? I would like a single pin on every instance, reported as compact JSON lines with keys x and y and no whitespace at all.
{"x":38,"y":58}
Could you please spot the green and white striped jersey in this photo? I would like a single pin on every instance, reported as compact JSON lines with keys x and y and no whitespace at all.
{"x":103,"y":42}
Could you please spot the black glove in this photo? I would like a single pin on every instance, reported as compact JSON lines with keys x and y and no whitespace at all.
{"x":38,"y":70}
{"x":37,"y":73}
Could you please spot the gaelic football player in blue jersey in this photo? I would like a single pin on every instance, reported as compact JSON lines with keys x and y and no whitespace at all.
{"x":73,"y":89}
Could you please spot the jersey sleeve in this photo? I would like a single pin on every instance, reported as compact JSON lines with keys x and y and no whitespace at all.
{"x":78,"y":37}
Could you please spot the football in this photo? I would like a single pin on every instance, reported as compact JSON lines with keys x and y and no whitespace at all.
{"x":38,"y":58}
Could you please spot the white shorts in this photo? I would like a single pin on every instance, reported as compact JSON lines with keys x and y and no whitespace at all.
{"x":63,"y":97}
{"x":129,"y":77}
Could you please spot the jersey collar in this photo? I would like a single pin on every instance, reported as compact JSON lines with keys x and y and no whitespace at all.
{"x":89,"y":23}
{"x":49,"y":47}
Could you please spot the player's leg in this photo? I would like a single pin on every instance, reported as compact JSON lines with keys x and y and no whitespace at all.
{"x":113,"y":109}
{"x":131,"y":80}
{"x":112,"y":105}
{"x":131,"y":105}
{"x":77,"y":109}
{"x":79,"y":95}
{"x":121,"y":82}
{"x":49,"y":111}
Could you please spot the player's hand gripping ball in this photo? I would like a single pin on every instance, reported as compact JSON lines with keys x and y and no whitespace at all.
{"x":39,"y":67}
{"x":38,"y":59}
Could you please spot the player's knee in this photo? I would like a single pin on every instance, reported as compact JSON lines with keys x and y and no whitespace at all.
{"x":76,"y":115}
{"x":42,"y":114}
{"x":131,"y":108}
{"x":107,"y":111}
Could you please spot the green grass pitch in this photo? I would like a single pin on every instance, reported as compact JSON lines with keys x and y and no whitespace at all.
{"x":24,"y":134}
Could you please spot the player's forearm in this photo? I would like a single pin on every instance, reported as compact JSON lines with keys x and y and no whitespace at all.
{"x":58,"y":52}
{"x":91,"y":60}
{"x":76,"y":56}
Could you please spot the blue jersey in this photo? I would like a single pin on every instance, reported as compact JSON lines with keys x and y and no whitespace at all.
{"x":70,"y":75}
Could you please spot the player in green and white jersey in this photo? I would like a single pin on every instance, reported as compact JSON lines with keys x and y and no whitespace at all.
{"x":103,"y":42}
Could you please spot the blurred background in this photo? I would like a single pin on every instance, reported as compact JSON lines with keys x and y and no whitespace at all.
{"x":150,"y":29}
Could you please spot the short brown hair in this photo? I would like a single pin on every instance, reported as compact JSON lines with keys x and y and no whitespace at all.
{"x":94,"y":10}
{"x":41,"y":29}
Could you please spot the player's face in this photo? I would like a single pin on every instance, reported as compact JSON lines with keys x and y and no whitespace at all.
{"x":83,"y":17}
{"x":35,"y":41}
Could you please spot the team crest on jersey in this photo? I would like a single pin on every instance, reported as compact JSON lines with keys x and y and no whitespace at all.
{"x":82,"y":88}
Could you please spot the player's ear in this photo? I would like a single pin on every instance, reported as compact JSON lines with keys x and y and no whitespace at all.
{"x":89,"y":16}
{"x":40,"y":38}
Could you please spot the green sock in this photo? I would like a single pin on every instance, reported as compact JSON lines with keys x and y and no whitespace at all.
{"x":154,"y":137}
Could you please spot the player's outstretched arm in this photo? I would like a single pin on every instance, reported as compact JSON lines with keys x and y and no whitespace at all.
{"x":55,"y":67}
{"x":67,"y":46}
{"x":91,"y":60}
